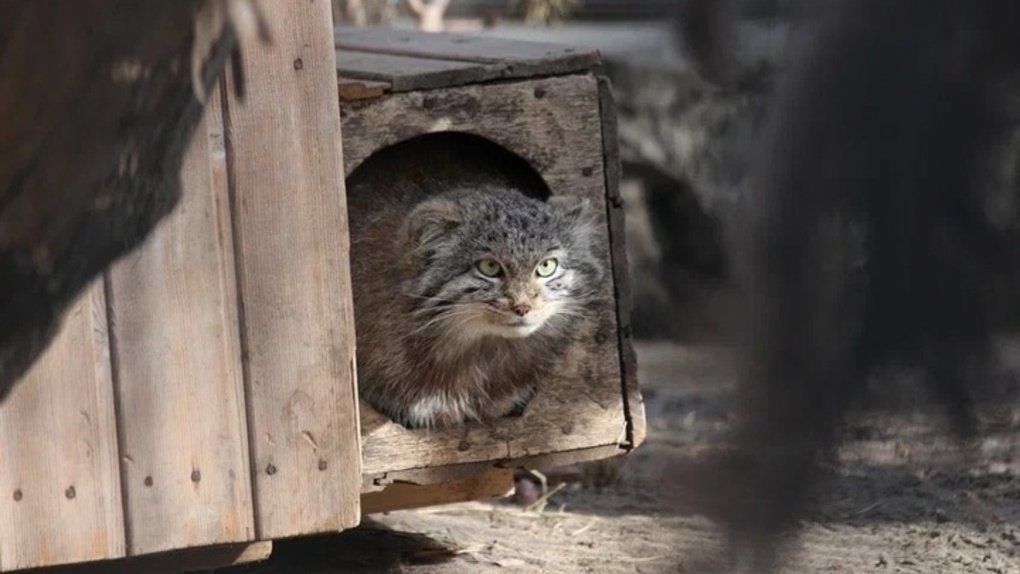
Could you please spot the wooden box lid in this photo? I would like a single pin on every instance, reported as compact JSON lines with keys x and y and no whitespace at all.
{"x":373,"y":61}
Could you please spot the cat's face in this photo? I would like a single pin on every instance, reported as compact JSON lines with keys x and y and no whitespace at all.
{"x":496,"y":263}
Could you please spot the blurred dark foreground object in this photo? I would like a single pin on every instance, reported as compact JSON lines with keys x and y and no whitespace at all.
{"x":100,"y":99}
{"x":877,"y":232}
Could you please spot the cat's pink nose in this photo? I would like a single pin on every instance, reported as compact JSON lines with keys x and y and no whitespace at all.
{"x":521,"y":309}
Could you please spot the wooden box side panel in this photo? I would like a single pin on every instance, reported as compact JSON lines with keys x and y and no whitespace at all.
{"x":554,"y":124}
{"x":633,"y":401}
{"x":60,"y":498}
{"x":180,"y":393}
{"x":290,"y":228}
{"x":182,"y":308}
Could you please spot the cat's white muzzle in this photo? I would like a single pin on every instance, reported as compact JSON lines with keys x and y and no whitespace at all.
{"x":507,"y":327}
{"x":496,"y":323}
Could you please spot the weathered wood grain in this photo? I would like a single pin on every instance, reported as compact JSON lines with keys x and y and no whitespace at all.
{"x":488,"y":482}
{"x":426,"y":476}
{"x":290,"y":228}
{"x":553,"y":123}
{"x":535,"y":119}
{"x":98,"y":107}
{"x":405,"y":73}
{"x":510,"y":58}
{"x":180,"y":393}
{"x":60,"y":496}
{"x":633,"y":402}
{"x":355,"y":89}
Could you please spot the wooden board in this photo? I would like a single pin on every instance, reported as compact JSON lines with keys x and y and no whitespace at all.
{"x":180,"y":393}
{"x":457,"y":473}
{"x":405,"y":73}
{"x":634,"y":403}
{"x":486,"y":483}
{"x":90,"y":133}
{"x":59,"y":484}
{"x":354,"y":89}
{"x":289,"y":215}
{"x":553,"y":123}
{"x":505,"y":58}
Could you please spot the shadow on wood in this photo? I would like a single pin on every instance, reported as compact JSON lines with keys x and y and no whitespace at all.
{"x":100,"y":107}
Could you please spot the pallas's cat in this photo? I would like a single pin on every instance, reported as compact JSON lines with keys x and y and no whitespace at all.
{"x":464,"y":294}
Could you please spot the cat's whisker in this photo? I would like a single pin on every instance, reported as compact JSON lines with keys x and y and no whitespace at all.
{"x":435,"y":310}
{"x":444,"y":316}
{"x":428,"y":298}
{"x":429,"y":311}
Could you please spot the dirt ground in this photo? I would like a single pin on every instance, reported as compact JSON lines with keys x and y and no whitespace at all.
{"x":902,"y":501}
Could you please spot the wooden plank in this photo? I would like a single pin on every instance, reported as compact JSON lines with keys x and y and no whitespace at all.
{"x":405,"y":73}
{"x":60,"y":496}
{"x":553,"y":123}
{"x":180,"y":391}
{"x":290,"y":229}
{"x":206,"y":558}
{"x":464,"y":472}
{"x":633,"y":402}
{"x":514,"y":58}
{"x":355,"y":89}
{"x":84,"y":159}
{"x":487,"y":483}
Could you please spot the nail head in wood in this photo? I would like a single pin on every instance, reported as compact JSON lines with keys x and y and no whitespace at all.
{"x":70,"y":493}
{"x":18,"y":495}
{"x":270,"y":470}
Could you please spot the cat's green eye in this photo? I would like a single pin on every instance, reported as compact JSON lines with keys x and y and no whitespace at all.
{"x":547,"y":267}
{"x":489,"y":267}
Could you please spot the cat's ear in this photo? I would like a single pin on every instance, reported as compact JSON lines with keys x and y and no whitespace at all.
{"x":431,"y":220}
{"x":581,"y":226}
{"x":575,"y":209}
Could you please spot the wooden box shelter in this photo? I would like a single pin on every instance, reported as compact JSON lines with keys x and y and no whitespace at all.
{"x":551,"y":107}
{"x":200,"y":400}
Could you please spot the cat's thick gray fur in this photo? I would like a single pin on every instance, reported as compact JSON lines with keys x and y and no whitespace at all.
{"x":432,"y":347}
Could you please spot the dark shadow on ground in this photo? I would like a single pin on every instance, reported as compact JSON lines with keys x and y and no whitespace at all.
{"x":371,"y":548}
